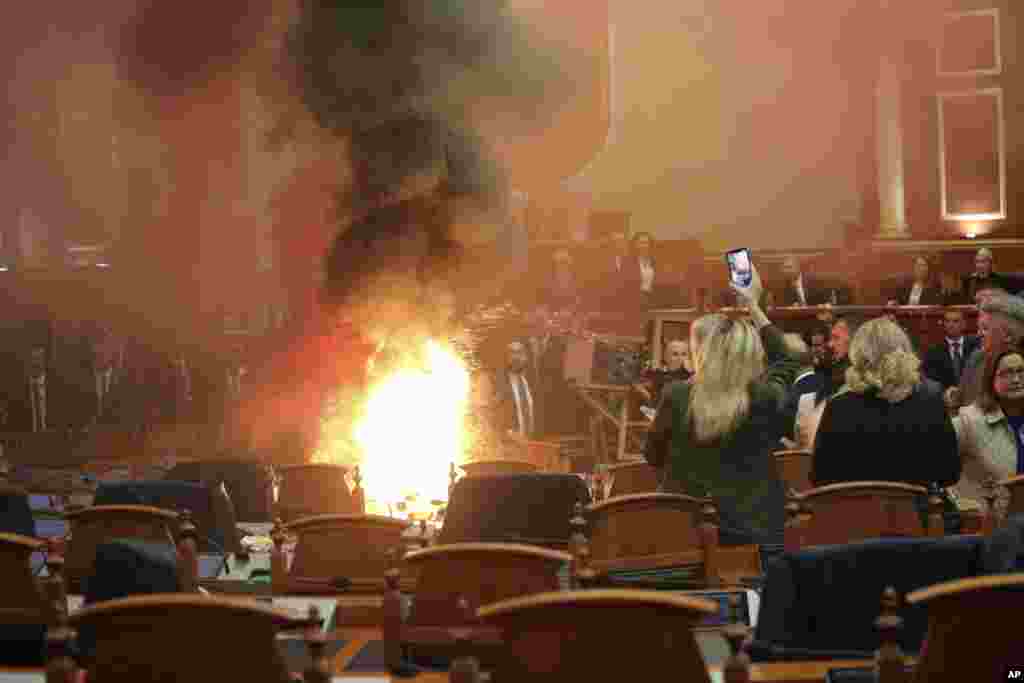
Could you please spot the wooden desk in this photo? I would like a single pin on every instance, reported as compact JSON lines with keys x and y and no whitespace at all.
{"x":611,"y":402}
{"x":923,"y":322}
{"x":786,"y":672}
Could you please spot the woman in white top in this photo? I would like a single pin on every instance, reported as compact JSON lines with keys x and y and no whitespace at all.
{"x":990,"y":431}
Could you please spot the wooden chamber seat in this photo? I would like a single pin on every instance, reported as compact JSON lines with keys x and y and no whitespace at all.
{"x":973,"y":632}
{"x":313,"y":489}
{"x":794,"y":468}
{"x":600,"y":635}
{"x":22,"y":596}
{"x":95,"y":525}
{"x":855,"y":511}
{"x":185,"y":637}
{"x":637,"y":476}
{"x":338,"y":553}
{"x":453,"y":581}
{"x":663,"y":531}
{"x":491,"y":467}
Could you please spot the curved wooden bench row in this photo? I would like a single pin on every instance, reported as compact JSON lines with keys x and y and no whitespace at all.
{"x":972,"y":632}
{"x":183,"y":637}
{"x":854,"y":511}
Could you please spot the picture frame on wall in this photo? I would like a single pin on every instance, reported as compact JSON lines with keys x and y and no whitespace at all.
{"x":972,"y":154}
{"x":970,"y":44}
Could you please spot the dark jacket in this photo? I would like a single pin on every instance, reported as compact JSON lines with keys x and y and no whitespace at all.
{"x":817,"y":291}
{"x":736,"y":470}
{"x":931,"y":295}
{"x":862,"y":437}
{"x":971,"y":284}
{"x":808,"y":384}
{"x":938,"y":363}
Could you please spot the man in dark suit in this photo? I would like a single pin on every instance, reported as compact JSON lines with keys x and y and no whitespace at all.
{"x":37,"y":399}
{"x":112,"y":391}
{"x":944,"y":362}
{"x":516,"y":408}
{"x":803,"y":289}
{"x":984,"y":277}
{"x":618,"y":276}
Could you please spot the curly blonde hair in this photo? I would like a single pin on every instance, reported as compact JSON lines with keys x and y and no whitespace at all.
{"x":882,"y":358}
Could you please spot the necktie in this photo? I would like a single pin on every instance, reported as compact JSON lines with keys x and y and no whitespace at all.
{"x":958,"y":359}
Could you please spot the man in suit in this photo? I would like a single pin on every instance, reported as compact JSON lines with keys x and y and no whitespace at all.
{"x":984,"y":277}
{"x":37,"y":399}
{"x":618,"y":286}
{"x":113,"y":399}
{"x":807,"y":382}
{"x":516,"y":408}
{"x":944,"y":362}
{"x":803,"y":289}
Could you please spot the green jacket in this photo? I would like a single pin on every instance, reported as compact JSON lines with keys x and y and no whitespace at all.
{"x":736,"y":470}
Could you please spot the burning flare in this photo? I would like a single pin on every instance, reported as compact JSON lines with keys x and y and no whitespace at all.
{"x":412,"y":428}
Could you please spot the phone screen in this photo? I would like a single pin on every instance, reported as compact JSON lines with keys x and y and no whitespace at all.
{"x":740,"y":271}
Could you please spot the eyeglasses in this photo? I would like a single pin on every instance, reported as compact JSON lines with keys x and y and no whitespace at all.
{"x":1015,"y":373}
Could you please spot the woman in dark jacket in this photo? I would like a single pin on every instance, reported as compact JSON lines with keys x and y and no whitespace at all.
{"x":715,"y":435}
{"x":885,"y":425}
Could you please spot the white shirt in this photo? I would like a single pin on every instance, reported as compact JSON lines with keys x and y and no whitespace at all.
{"x":915,"y":294}
{"x":646,"y":275}
{"x":801,"y":295}
{"x":524,"y":403}
{"x":37,"y":391}
{"x":956,"y":346}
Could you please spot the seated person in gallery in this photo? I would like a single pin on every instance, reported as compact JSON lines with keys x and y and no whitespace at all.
{"x":984,"y":277}
{"x":805,"y":289}
{"x":921,"y":289}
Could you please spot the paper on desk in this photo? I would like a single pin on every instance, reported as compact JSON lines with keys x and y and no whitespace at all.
{"x":40,"y":677}
{"x":300,"y":605}
{"x":353,"y":679}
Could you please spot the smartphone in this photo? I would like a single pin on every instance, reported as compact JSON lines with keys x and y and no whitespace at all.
{"x":740,"y":271}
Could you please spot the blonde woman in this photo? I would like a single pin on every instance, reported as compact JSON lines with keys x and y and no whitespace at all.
{"x":715,"y":435}
{"x":887,"y":425}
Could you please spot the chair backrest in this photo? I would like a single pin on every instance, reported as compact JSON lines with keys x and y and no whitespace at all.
{"x":98,"y":524}
{"x":21,"y":600}
{"x":821,"y":602}
{"x":355,"y":548}
{"x":184,"y":637}
{"x":652,"y":531}
{"x":211,"y":509}
{"x":633,"y":477}
{"x":854,"y":511}
{"x":15,"y":512}
{"x":313,"y":489}
{"x":1015,"y":487}
{"x":487,"y":468}
{"x":513,"y":508}
{"x":249,"y":484}
{"x":973,"y":631}
{"x":794,"y":468}
{"x":546,"y":455}
{"x":479,"y":574}
{"x":600,"y":635}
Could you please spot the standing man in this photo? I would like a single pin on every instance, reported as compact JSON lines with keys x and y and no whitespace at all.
{"x":944,"y":362}
{"x":515,"y":395}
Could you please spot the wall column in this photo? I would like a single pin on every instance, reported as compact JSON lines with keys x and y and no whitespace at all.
{"x":889,"y":140}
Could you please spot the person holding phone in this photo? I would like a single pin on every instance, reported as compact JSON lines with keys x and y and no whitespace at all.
{"x":715,"y":435}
